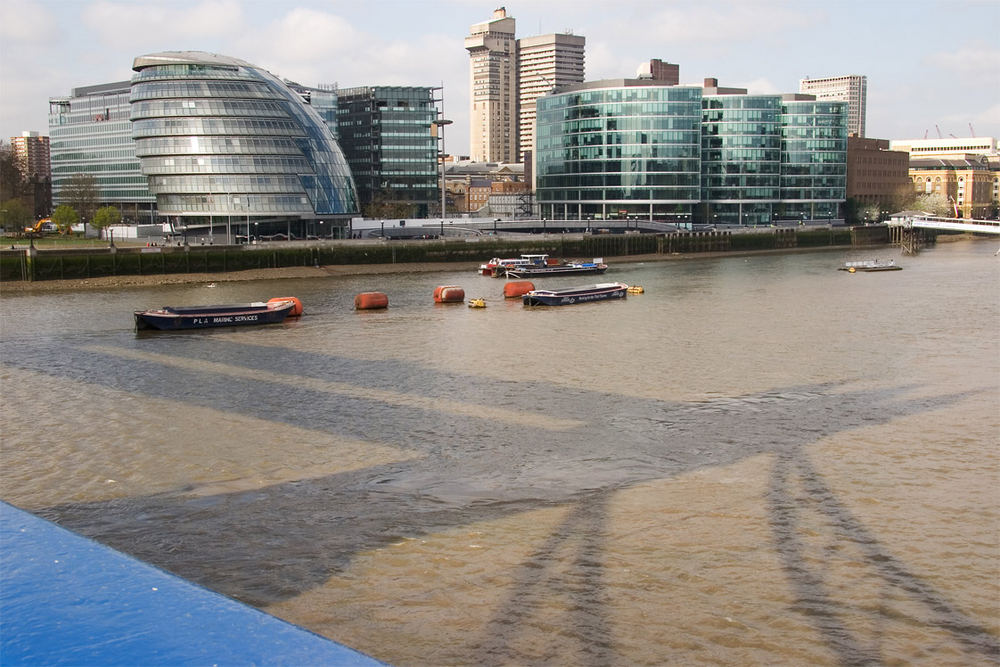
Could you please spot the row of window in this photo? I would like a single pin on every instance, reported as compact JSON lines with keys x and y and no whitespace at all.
{"x":618,"y":95}
{"x":616,"y":166}
{"x":619,"y":195}
{"x":204,"y":126}
{"x":231,"y":108}
{"x":216,"y":145}
{"x":230,"y":184}
{"x":619,"y":180}
{"x":187,"y":90}
{"x":244,"y":164}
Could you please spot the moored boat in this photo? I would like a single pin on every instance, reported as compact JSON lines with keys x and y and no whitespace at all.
{"x":565,"y":269}
{"x":870,"y":265}
{"x":571,"y":295}
{"x":497,"y":267}
{"x":174,"y":318}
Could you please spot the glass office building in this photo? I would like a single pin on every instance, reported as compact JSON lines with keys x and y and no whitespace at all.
{"x":385,"y":132}
{"x":90,"y":133}
{"x":618,"y":149}
{"x":740,"y":158}
{"x":813,"y":158}
{"x":689,"y":155}
{"x":218,"y":137}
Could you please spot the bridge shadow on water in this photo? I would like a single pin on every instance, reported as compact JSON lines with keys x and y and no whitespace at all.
{"x":271,"y":544}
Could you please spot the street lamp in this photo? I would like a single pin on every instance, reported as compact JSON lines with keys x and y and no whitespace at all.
{"x":440,"y":123}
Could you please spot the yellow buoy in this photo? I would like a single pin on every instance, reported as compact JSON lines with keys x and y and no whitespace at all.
{"x":636,"y":289}
{"x":477,"y":303}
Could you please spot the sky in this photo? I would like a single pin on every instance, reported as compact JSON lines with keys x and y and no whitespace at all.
{"x":933,"y":66}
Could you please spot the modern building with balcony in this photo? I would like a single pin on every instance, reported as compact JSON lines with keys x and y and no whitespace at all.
{"x":222,"y":140}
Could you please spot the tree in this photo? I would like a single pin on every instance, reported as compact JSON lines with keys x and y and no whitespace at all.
{"x":935,"y":204}
{"x":10,"y":174}
{"x":105,"y":217}
{"x":14,"y":215}
{"x":65,"y":217}
{"x":82,"y":193}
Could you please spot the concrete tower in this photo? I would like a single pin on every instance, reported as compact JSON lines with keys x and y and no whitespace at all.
{"x":493,"y":86}
{"x":544,"y":62}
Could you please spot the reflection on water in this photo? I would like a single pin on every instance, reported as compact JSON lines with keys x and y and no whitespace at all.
{"x":758,"y":460}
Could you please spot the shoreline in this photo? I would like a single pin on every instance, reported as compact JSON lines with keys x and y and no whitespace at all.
{"x":290,"y":272}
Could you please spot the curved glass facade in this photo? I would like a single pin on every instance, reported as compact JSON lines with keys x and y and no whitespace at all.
{"x":741,"y":158}
{"x":216,"y":135}
{"x":606,"y":151}
{"x":633,"y":148}
{"x":813,"y":159}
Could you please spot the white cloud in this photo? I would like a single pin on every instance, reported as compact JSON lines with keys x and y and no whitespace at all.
{"x":718,"y":24}
{"x":19,"y":21}
{"x":136,"y":25}
{"x":762,"y":87}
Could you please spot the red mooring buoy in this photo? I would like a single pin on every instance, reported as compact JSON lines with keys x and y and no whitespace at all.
{"x":449,"y":294}
{"x":517,"y":288}
{"x":371,"y":301}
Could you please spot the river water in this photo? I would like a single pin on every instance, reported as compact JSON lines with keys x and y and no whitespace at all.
{"x":760,"y":460}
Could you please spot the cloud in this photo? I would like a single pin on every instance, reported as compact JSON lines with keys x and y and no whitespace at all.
{"x":972,"y":62}
{"x":20,"y":20}
{"x":718,"y":24}
{"x":136,"y":25}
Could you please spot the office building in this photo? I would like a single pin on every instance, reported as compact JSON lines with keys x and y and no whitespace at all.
{"x":31,"y":157}
{"x":667,"y":74}
{"x":493,"y":89}
{"x":953,"y":147}
{"x":507,"y":75}
{"x":31,"y":154}
{"x":219,"y":138}
{"x":544,"y":63}
{"x":740,"y":156}
{"x":387,"y":139}
{"x":852,"y":89}
{"x":619,"y":148}
{"x":90,"y":134}
{"x":689,"y":155}
{"x":813,"y":158}
{"x":877,"y":175}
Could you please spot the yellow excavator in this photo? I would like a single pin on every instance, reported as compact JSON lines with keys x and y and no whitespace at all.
{"x":42,"y":226}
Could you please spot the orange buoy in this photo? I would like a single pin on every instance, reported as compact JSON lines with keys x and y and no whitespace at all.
{"x":371,"y":301}
{"x":517,"y":288}
{"x":449,"y":294}
{"x":296,"y":309}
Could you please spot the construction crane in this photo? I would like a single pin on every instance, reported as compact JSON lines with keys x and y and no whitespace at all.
{"x":938,"y":131}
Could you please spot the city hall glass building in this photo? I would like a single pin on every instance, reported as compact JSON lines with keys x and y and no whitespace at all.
{"x":638,"y":148}
{"x":219,"y":138}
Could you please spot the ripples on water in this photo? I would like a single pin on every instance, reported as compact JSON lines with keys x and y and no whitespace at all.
{"x":759,"y":460}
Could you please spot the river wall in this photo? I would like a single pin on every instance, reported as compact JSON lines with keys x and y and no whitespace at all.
{"x":33,"y":264}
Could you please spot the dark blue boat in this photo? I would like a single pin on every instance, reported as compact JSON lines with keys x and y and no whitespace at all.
{"x":571,"y":295}
{"x":567,"y":269}
{"x":174,"y":318}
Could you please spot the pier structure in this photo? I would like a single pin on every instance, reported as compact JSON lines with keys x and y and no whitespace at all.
{"x":910,"y":230}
